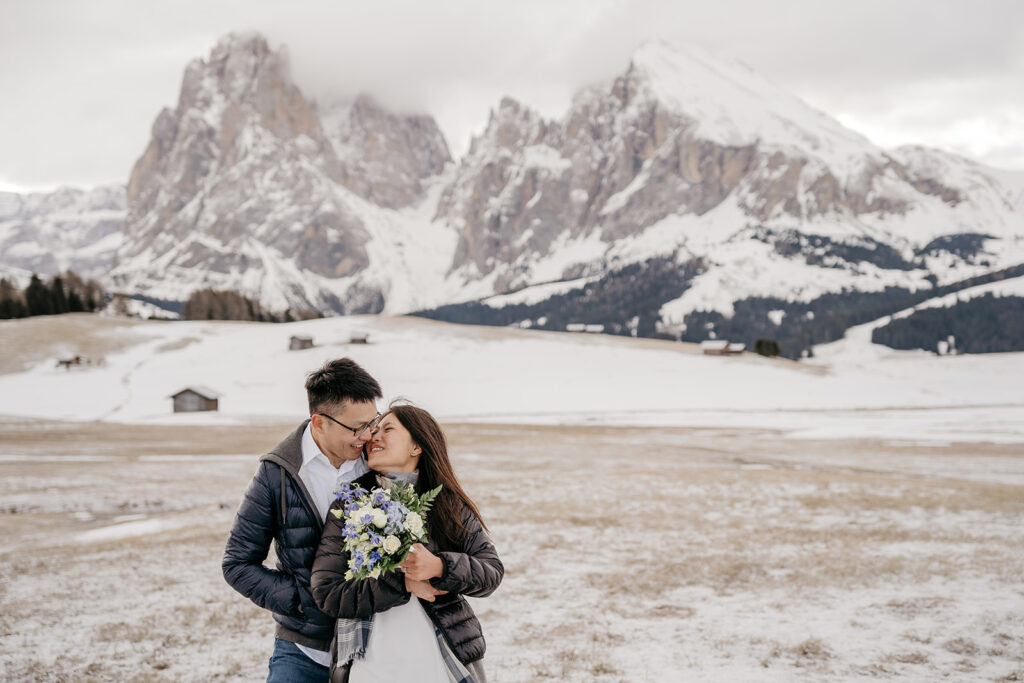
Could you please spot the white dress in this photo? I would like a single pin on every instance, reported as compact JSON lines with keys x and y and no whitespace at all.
{"x":402,"y":647}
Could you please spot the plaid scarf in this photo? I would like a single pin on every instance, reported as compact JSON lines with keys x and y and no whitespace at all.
{"x":350,"y":639}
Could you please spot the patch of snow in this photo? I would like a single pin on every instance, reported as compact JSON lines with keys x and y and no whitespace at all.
{"x":546,"y":158}
{"x":537,"y":293}
{"x":143,"y":527}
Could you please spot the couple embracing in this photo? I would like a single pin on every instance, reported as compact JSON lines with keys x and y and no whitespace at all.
{"x":409,"y":624}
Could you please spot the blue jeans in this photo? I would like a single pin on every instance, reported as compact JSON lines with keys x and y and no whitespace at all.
{"x":289,"y":664}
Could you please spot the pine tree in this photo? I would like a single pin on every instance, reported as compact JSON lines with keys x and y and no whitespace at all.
{"x":766,"y":347}
{"x":75,"y":304}
{"x":57,"y":295}
{"x":12,"y":305}
{"x":38,"y":299}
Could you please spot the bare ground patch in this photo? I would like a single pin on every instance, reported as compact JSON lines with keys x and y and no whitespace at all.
{"x":45,"y":337}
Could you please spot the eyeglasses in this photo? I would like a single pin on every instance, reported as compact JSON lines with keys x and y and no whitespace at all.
{"x":356,"y":431}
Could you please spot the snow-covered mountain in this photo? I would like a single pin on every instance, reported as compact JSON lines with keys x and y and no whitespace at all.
{"x":732,"y":186}
{"x":242,"y":187}
{"x":692,"y":157}
{"x":49,"y":232}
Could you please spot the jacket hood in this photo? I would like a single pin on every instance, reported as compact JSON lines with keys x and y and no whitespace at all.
{"x":288,"y":453}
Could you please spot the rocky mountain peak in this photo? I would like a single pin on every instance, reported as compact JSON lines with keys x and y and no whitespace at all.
{"x":236,"y":178}
{"x":49,"y":232}
{"x":231,"y":70}
{"x":731,"y":104}
{"x":512,"y":125}
{"x":247,"y":185}
{"x":243,"y":78}
{"x":240,"y":93}
{"x":383,"y":156}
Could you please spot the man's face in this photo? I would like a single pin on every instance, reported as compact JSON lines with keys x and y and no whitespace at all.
{"x":337,"y":442}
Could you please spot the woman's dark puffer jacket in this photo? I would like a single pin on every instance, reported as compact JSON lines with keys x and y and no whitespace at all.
{"x":473,"y":570}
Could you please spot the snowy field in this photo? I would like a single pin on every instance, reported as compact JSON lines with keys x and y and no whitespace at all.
{"x":480,"y":374}
{"x":631,"y":554}
{"x":662,"y":515}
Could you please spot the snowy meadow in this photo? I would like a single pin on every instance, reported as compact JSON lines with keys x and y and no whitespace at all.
{"x":661,"y":515}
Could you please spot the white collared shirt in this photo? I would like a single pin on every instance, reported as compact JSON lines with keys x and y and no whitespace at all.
{"x":320,"y":478}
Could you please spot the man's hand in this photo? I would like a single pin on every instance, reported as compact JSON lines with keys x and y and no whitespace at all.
{"x":421,"y":564}
{"x":422,"y":589}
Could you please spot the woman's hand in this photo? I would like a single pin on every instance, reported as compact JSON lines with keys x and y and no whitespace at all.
{"x":422,"y":589}
{"x":421,"y":564}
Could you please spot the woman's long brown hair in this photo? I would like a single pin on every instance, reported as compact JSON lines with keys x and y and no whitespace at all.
{"x":444,"y":520}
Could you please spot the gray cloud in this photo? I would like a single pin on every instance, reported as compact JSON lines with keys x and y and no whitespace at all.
{"x":82,"y":82}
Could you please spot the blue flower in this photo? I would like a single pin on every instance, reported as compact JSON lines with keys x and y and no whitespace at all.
{"x":350,"y":532}
{"x":359,"y":559}
{"x":366,"y":519}
{"x":396,"y":513}
{"x":348,"y":491}
{"x":375,"y":538}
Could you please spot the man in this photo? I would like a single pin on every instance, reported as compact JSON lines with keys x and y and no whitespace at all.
{"x":287,"y":503}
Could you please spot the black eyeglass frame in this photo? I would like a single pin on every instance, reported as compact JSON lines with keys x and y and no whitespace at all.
{"x":356,"y":431}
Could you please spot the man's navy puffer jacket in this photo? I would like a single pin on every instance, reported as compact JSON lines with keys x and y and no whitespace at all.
{"x":277,"y":507}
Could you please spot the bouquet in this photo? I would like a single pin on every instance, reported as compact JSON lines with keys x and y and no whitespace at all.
{"x":381,"y":526}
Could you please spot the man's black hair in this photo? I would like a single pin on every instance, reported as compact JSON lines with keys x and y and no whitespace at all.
{"x":338,"y":381}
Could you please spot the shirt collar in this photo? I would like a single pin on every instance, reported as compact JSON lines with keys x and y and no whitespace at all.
{"x":309,"y":448}
{"x":310,"y":451}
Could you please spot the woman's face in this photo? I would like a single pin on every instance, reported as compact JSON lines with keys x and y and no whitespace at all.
{"x":391,"y":449}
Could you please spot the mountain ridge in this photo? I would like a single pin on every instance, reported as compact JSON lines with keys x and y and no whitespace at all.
{"x":249,"y":185}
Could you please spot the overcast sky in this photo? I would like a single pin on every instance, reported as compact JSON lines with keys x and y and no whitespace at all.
{"x":81,"y":82}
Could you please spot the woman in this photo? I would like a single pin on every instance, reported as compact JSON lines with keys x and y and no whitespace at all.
{"x":382,"y":634}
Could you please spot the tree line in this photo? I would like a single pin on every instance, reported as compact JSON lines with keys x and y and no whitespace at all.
{"x":985,"y":324}
{"x":211,"y":304}
{"x":630,"y":298}
{"x":822,"y":320}
{"x":63,"y":293}
{"x":622,"y":300}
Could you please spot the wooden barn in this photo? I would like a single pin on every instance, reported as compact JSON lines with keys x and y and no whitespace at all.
{"x":195,"y":399}
{"x":300,"y":343}
{"x":721,"y":347}
{"x":585,"y":328}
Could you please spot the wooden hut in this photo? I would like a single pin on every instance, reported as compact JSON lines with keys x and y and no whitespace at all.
{"x":721,"y":347}
{"x":585,"y":328}
{"x":300,"y":343}
{"x":195,"y":399}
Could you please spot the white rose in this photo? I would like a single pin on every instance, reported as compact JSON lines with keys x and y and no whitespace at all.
{"x":414,"y":523}
{"x":380,"y":519}
{"x":391,"y":544}
{"x":357,"y":516}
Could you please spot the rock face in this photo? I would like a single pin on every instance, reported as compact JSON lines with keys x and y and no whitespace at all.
{"x":384,"y":157}
{"x":229,"y":179}
{"x":50,"y":232}
{"x":247,"y":185}
{"x":676,"y":134}
{"x":241,"y":188}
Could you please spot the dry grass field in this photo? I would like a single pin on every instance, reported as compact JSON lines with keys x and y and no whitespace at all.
{"x":42,"y":338}
{"x":631,"y":555}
